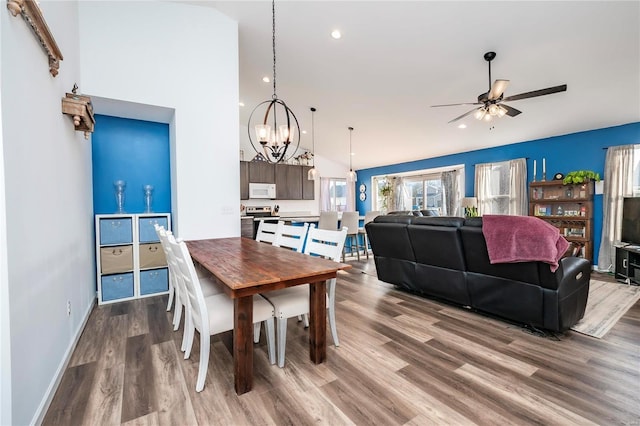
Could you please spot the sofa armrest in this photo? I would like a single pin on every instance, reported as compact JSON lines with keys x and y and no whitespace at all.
{"x":573,"y":273}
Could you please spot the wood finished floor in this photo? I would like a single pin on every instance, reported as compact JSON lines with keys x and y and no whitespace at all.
{"x":403,"y":360}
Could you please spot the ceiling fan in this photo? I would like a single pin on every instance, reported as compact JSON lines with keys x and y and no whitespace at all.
{"x":492,"y":101}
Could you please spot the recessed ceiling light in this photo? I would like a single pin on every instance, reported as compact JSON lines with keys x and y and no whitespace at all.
{"x":304,"y":132}
{"x":336,"y":34}
{"x":265,"y":79}
{"x":241,"y":104}
{"x":462,"y":126}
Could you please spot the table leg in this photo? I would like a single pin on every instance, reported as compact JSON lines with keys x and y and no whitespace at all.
{"x":318,"y":322}
{"x":243,"y":343}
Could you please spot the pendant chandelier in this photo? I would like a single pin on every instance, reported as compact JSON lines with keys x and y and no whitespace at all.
{"x":313,"y":172}
{"x":352,"y":176}
{"x":274,"y":137}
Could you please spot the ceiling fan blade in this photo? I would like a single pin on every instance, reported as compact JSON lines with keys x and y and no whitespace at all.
{"x":511,"y":112}
{"x":498,"y":89}
{"x":463,"y":115}
{"x":541,"y":92}
{"x":466,"y":103}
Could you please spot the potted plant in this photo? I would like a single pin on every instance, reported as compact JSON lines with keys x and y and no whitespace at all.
{"x":581,"y":176}
{"x":385,"y":193}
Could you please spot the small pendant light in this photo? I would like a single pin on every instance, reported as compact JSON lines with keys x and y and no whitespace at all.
{"x":352,"y":176}
{"x":313,"y":172}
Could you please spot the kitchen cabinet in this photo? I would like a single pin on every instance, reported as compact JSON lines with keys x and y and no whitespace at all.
{"x":261,"y":172}
{"x":288,"y":182}
{"x":244,"y":180}
{"x":246,"y":227}
{"x":290,"y":179}
{"x":308,"y":186}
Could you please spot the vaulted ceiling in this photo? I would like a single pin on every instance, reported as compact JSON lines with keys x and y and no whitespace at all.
{"x":396,"y":58}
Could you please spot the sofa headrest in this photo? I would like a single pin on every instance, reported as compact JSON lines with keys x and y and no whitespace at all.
{"x":473,"y":221}
{"x":430,"y":212}
{"x":405,"y":213}
{"x":452,"y":221}
{"x":393,"y":219}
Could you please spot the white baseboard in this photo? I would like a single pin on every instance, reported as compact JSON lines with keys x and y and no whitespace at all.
{"x":38,"y":417}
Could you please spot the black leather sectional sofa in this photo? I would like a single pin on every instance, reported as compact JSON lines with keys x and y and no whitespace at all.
{"x":447,"y":258}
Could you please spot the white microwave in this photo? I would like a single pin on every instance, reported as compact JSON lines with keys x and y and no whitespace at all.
{"x":262,"y":190}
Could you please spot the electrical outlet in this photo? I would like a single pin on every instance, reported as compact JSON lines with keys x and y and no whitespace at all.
{"x":68,"y":307}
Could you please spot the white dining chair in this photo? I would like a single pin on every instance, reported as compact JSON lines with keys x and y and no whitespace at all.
{"x":350,"y":221}
{"x":328,"y":220}
{"x":209,"y":285}
{"x":267,"y":231}
{"x":293,"y":238}
{"x":213,"y":314}
{"x":368,"y":217}
{"x":160,"y":229}
{"x":294,"y":301}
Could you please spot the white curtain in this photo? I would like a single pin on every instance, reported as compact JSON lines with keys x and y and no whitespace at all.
{"x":325,"y":195}
{"x":451,"y":189}
{"x":518,"y":187}
{"x":618,"y":183}
{"x":483,"y":188}
{"x":402,"y":196}
{"x":501,"y":188}
{"x":376,"y":202}
{"x":351,"y":196}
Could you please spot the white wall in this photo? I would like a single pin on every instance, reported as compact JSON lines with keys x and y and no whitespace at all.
{"x":47,"y":244}
{"x":183,"y":57}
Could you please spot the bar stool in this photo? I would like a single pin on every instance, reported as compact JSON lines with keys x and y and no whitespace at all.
{"x":350,"y":221}
{"x":368,"y":217}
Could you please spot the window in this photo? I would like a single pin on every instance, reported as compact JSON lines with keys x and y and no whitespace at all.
{"x":436,"y":189}
{"x":338,"y":194}
{"x":425,"y":193}
{"x":501,"y":188}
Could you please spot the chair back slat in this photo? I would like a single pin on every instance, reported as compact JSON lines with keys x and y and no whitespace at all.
{"x":195,"y":302}
{"x":291,"y":236}
{"x":325,"y":243}
{"x":267,"y":231}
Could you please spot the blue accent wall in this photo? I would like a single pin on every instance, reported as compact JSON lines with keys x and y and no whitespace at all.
{"x":137,"y":152}
{"x":575,"y":151}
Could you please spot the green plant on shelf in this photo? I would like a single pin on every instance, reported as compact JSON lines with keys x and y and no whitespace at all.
{"x":581,"y":176}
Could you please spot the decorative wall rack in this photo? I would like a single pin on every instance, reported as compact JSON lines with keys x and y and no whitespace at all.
{"x":80,"y":109}
{"x":32,"y":14}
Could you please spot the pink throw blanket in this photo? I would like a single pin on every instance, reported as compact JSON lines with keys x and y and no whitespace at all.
{"x":522,"y":239}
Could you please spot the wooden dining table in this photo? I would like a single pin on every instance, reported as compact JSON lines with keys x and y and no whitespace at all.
{"x":247,"y":267}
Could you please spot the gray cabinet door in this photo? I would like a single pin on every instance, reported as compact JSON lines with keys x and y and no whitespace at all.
{"x":288,"y":182}
{"x":244,"y":180}
{"x":308,"y":186}
{"x":261,"y":172}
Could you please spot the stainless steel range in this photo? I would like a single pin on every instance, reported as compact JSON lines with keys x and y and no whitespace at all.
{"x":260,"y":213}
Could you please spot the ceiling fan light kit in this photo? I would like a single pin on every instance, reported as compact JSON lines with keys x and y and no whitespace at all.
{"x":491,"y":102}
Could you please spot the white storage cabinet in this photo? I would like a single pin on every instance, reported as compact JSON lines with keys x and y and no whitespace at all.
{"x":130,"y":262}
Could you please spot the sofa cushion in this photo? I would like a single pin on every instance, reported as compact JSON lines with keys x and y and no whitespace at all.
{"x":477,"y":258}
{"x":436,"y":242}
{"x":393,"y":254}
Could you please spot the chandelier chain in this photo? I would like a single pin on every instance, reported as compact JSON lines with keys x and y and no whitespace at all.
{"x":273,"y":43}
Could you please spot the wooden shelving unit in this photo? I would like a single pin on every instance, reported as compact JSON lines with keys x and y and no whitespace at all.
{"x":567,"y":207}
